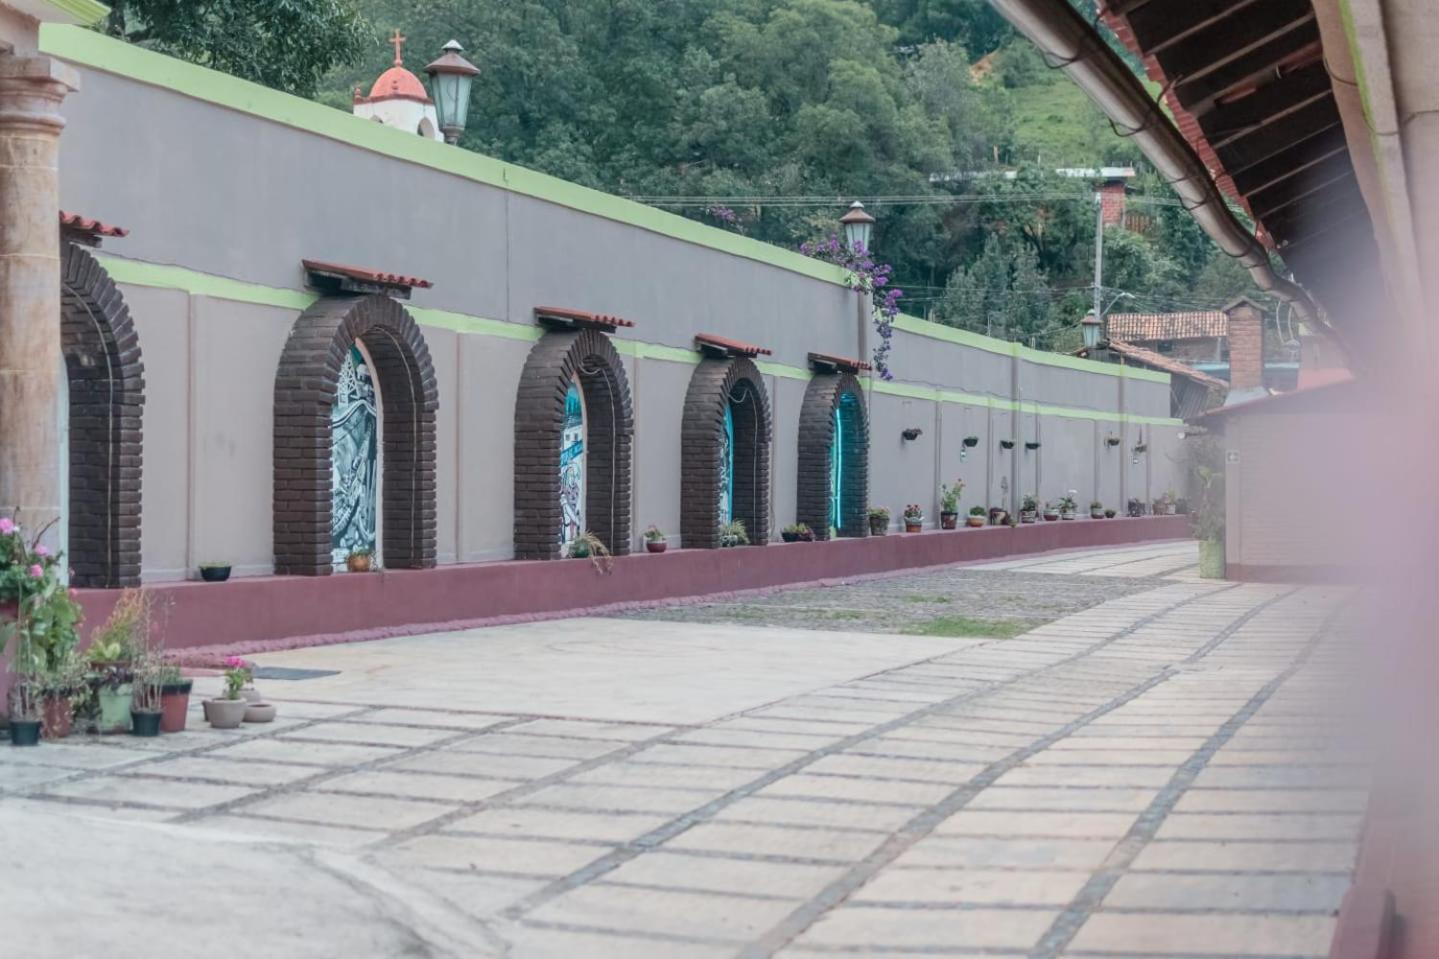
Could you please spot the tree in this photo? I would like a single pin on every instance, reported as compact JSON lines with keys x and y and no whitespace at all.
{"x":1003,"y":293}
{"x":286,"y":44}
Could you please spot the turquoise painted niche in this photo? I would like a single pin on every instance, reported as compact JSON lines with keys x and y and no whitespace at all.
{"x":572,"y":467}
{"x":354,"y":460}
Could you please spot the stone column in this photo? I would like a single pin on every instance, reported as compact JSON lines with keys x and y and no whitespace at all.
{"x":31,"y":90}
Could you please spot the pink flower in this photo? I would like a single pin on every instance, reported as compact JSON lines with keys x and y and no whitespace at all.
{"x":37,"y":571}
{"x":74,"y":594}
{"x":42,"y":550}
{"x":234,"y":662}
{"x":7,"y":525}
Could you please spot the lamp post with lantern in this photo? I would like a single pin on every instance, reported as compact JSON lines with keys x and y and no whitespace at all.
{"x":857,"y":225}
{"x":450,"y":79}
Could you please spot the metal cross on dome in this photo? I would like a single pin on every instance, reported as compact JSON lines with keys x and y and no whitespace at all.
{"x":398,"y":40}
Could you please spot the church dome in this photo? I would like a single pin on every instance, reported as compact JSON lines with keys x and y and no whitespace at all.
{"x":399,"y":82}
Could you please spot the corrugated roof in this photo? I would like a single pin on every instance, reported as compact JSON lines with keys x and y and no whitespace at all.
{"x":1143,"y":327}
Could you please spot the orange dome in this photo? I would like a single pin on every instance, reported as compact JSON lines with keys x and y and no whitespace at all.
{"x":399,"y":82}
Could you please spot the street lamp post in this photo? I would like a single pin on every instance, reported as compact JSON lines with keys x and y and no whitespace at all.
{"x":450,"y":79}
{"x":1091,"y":327}
{"x":857,"y":225}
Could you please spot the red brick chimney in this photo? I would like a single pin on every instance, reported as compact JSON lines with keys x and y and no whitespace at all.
{"x":1246,"y":344}
{"x":1111,"y":202}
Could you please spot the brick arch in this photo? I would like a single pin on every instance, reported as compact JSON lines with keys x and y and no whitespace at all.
{"x":305,"y":385}
{"x":816,"y":435}
{"x":106,"y":381}
{"x":712,"y":387}
{"x":560,"y":358}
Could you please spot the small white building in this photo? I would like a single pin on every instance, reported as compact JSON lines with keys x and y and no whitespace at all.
{"x":398,"y":99}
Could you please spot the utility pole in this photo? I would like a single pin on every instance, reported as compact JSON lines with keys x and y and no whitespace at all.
{"x":1099,"y":259}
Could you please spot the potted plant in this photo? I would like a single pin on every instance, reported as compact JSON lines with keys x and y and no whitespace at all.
{"x":1029,"y":510}
{"x":970,"y":442}
{"x":949,"y":503}
{"x":147,"y":697}
{"x":913,"y":518}
{"x":114,"y":648}
{"x":1096,"y":510}
{"x":214,"y":572}
{"x":360,"y":560}
{"x":228,"y":711}
{"x":655,"y":540}
{"x":589,"y":546}
{"x":878,"y":520}
{"x":797,"y":532}
{"x":1109,"y":513}
{"x":25,"y":711}
{"x":733,"y":534}
{"x":174,"y":699}
{"x":61,"y":687}
{"x":1135,"y":507}
{"x":998,"y":516}
{"x":1067,"y":506}
{"x":976,"y":517}
{"x":1051,"y":512}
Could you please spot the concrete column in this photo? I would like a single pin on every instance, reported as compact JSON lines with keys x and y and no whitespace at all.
{"x":31,"y":90}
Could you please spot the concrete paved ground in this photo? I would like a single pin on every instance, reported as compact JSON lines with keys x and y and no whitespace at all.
{"x":1151,"y":776}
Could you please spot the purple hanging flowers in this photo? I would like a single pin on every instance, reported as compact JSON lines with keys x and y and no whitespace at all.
{"x":865,"y":276}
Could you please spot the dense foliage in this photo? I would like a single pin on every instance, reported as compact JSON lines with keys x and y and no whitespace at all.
{"x":767,"y":117}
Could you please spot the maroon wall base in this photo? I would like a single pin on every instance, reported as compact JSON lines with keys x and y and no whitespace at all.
{"x":1292,"y":574}
{"x":279,"y":607}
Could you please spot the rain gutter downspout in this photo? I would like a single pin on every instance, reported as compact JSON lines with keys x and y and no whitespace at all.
{"x":1063,"y":36}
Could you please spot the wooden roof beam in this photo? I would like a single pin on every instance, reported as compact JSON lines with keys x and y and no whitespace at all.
{"x":1291,"y":161}
{"x":1162,"y":25}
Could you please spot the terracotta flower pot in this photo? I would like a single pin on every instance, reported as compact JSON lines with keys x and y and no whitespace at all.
{"x":912,"y":527}
{"x":226,"y":713}
{"x":174,"y":706}
{"x":656,"y":546}
{"x":948,"y":520}
{"x":974,"y":521}
{"x":359,"y":562}
{"x":57,"y":715}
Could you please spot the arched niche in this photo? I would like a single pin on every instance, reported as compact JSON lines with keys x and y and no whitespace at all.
{"x":328,"y":344}
{"x":834,"y":456}
{"x":725,"y":452}
{"x":566,"y":365}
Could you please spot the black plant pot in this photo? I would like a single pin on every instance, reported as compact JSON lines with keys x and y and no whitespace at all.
{"x":214,"y":574}
{"x":145,"y":724}
{"x":25,"y":732}
{"x":789,"y":537}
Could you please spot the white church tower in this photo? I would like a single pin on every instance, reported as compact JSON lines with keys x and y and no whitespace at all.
{"x":398,"y":99}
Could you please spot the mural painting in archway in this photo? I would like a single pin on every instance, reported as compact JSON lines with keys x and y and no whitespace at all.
{"x":354,"y":463}
{"x":836,"y":469}
{"x":572,"y":467}
{"x":726,"y":453}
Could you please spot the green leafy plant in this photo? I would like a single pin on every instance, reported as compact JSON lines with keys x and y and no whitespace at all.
{"x":654,"y":534}
{"x":1206,"y":475}
{"x":1030,"y":505}
{"x":733,"y":534}
{"x":949,"y":495}
{"x":589,"y":546}
{"x":879,"y":512}
{"x":1066,"y":503}
{"x":1096,"y":504}
{"x":914,"y":513}
{"x":976,"y":511}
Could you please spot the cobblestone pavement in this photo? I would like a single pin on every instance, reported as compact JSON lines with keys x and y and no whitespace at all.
{"x":987,"y":599}
{"x":1151,"y":776}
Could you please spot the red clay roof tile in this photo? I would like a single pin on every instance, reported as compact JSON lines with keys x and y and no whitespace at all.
{"x":365,"y":275}
{"x":83,"y":224}
{"x":731,"y":346}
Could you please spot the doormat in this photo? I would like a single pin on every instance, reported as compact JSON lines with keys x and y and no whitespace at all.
{"x":286,"y":672}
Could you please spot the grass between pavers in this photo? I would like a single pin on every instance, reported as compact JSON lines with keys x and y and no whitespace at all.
{"x":972,"y":626}
{"x":918,"y":598}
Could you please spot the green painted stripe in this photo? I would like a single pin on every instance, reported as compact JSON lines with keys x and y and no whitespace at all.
{"x":160,"y":276}
{"x":115,"y":56}
{"x":84,"y":12}
{"x":140,"y":273}
{"x":950,"y":334}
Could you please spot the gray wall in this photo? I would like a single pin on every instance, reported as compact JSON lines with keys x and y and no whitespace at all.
{"x":222,"y":193}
